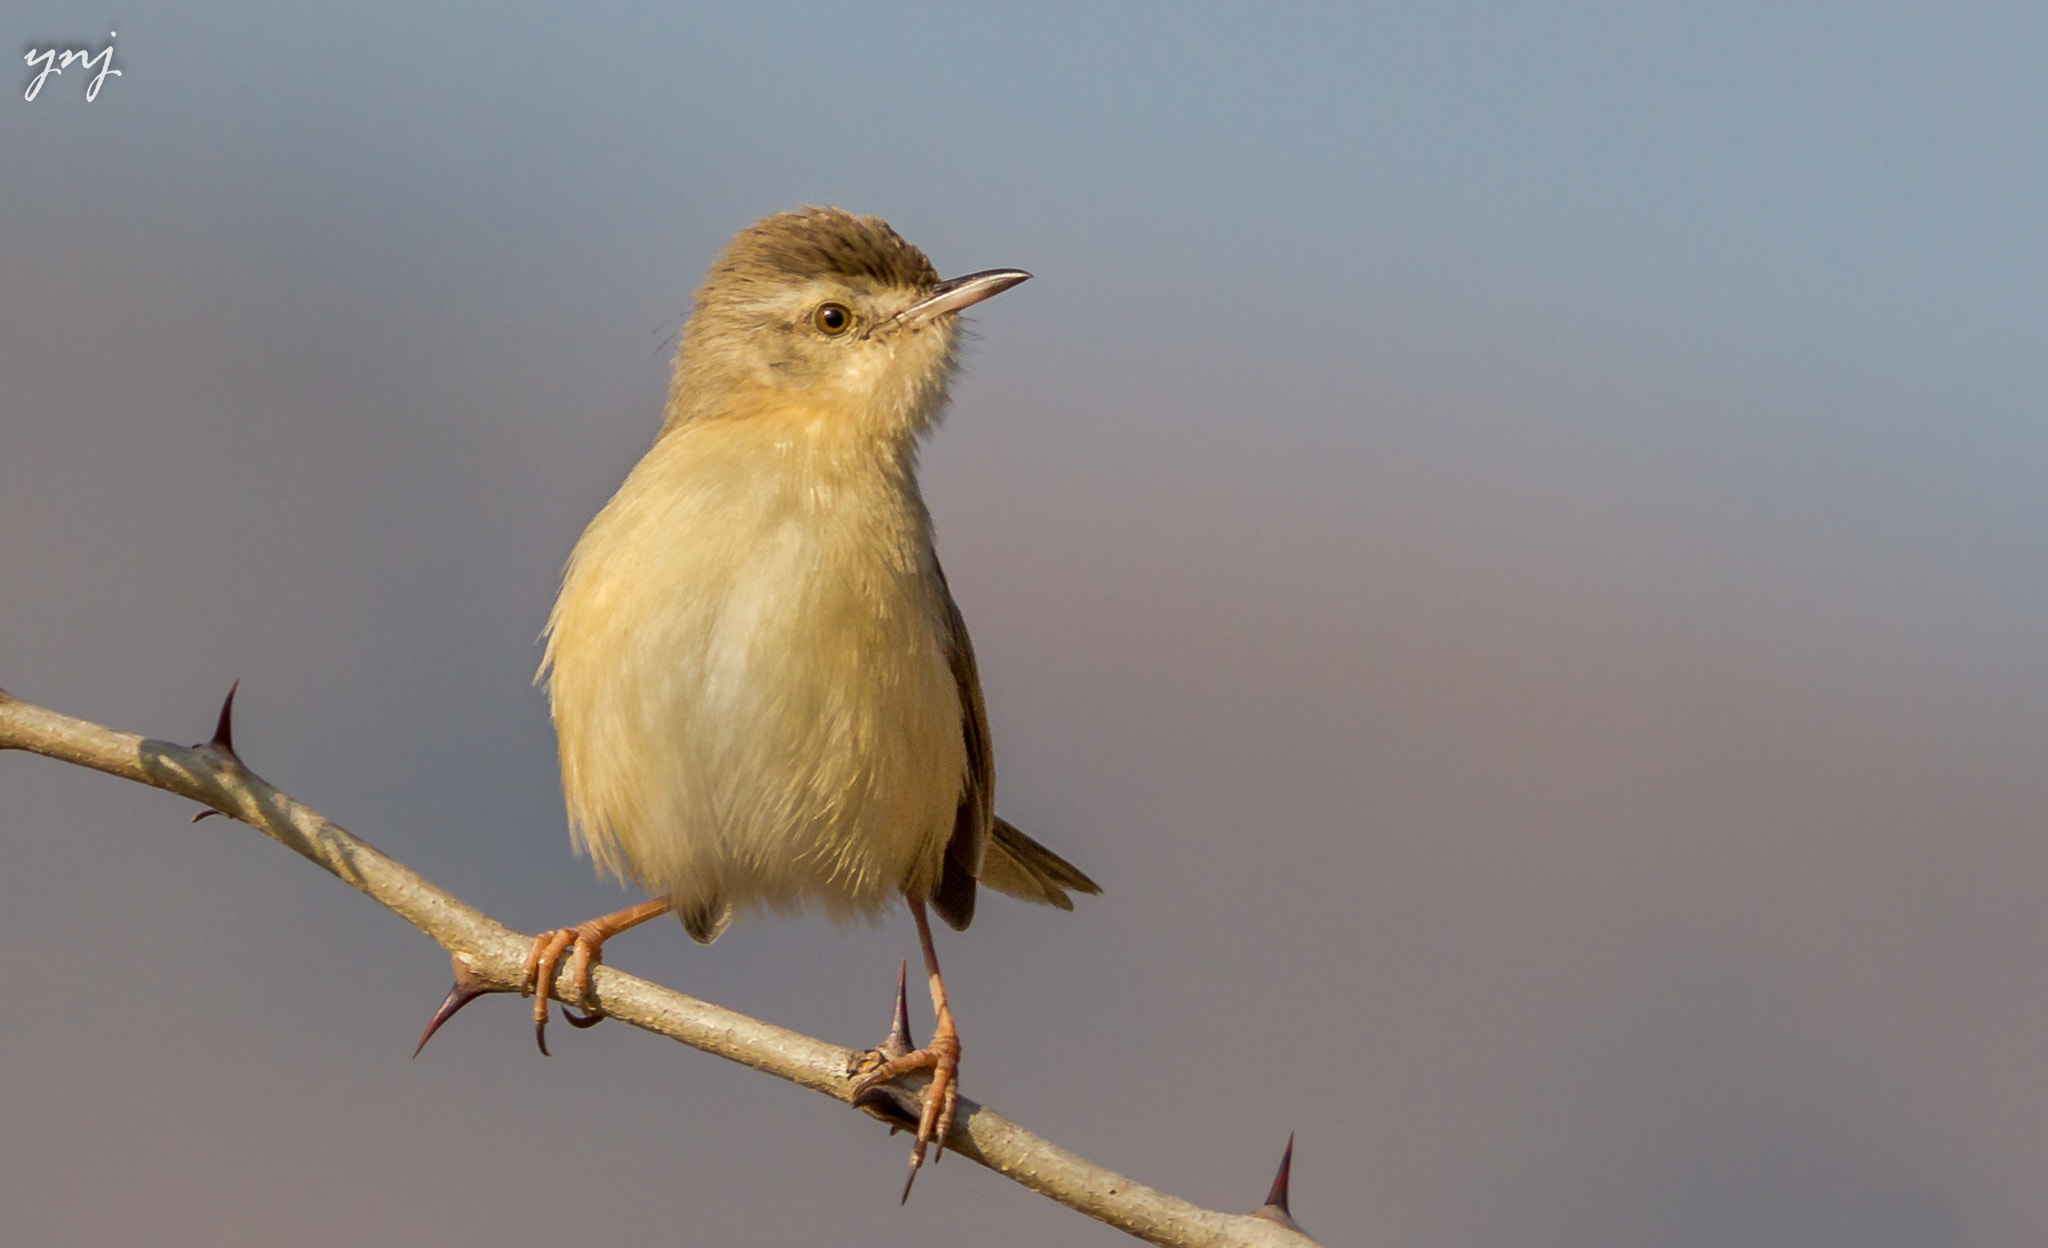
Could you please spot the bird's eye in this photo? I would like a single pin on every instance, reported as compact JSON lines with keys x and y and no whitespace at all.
{"x":832,"y":319}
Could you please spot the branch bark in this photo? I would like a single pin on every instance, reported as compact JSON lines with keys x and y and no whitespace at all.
{"x":490,"y":956}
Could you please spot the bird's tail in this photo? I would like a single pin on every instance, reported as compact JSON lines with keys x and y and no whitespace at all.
{"x":1017,"y":865}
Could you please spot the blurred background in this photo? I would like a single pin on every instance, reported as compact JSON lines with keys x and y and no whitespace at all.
{"x":1512,"y":542}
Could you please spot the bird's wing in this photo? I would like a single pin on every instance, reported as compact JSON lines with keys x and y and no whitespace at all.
{"x":976,"y":814}
{"x":986,"y":849}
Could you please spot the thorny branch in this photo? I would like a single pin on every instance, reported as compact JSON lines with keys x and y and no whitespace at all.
{"x":489,"y":956}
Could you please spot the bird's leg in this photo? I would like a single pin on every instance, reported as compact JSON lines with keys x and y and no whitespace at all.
{"x":941,"y":1057}
{"x":587,"y":940}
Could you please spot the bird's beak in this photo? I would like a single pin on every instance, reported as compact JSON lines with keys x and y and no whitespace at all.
{"x":959,"y":293}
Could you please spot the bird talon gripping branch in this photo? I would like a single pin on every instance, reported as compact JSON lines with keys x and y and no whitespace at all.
{"x":585,"y":943}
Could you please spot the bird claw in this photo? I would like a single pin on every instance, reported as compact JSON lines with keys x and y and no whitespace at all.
{"x":569,"y":1015}
{"x":937,"y":1103}
{"x":898,"y":1106}
{"x":929,"y":1111}
{"x":541,"y":961}
{"x":583,"y":942}
{"x":537,"y":977}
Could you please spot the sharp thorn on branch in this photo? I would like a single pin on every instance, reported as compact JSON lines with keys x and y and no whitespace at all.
{"x":1006,"y":1150}
{"x":898,"y":1041}
{"x":1275,"y":1209}
{"x":224,"y":731}
{"x":1277,"y":1194}
{"x":901,"y":1108}
{"x":468,"y":987}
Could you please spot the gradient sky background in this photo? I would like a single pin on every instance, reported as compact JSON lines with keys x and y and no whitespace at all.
{"x":1513,"y":542}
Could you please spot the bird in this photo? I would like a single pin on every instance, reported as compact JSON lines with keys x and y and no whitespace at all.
{"x":762,"y":689}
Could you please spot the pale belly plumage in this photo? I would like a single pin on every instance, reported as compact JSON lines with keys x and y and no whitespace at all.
{"x":752,"y":689}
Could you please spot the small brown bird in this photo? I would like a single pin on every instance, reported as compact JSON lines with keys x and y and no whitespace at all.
{"x":763,"y":691}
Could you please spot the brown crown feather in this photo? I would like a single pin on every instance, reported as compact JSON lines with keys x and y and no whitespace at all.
{"x":820,"y":242}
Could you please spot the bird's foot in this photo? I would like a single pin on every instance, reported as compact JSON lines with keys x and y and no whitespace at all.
{"x":940,"y":1100}
{"x":584,"y":942}
{"x":900,"y":1106}
{"x":541,"y":961}
{"x":929,"y":1114}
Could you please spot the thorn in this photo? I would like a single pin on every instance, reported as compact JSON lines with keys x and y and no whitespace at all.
{"x":1277,"y":1194}
{"x":209,"y":811}
{"x":901,"y":1108}
{"x":224,"y":731}
{"x":898,"y":1041}
{"x":451,"y":1005}
{"x":1275,"y":1209}
{"x":468,"y":987}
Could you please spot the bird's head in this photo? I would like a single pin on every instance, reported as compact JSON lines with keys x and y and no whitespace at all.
{"x":836,"y":313}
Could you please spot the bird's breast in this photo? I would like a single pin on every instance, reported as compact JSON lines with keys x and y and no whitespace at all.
{"x":751,"y":685}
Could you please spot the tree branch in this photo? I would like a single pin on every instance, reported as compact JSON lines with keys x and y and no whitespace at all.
{"x":490,"y":956}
